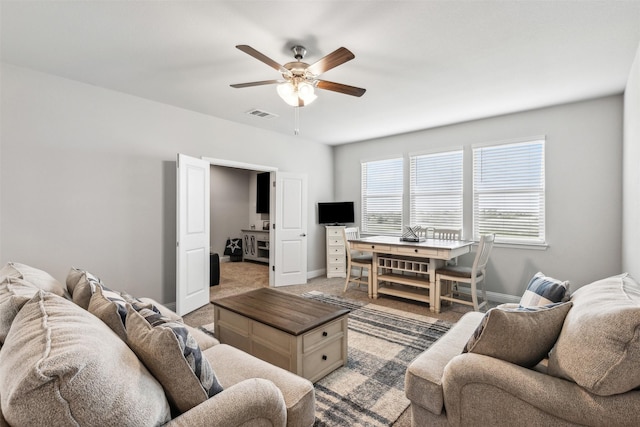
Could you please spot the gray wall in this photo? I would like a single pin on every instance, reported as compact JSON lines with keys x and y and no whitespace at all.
{"x":87,"y":178}
{"x":631,"y":180}
{"x":230,"y":205}
{"x":583,"y":186}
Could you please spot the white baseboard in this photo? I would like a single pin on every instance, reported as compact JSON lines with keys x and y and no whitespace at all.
{"x":316,"y":273}
{"x":495,"y":296}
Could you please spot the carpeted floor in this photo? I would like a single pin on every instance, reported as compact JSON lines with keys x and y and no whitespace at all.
{"x":240,"y":277}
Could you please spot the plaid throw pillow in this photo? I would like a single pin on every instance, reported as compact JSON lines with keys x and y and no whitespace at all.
{"x":173,"y":356}
{"x":544,"y":290}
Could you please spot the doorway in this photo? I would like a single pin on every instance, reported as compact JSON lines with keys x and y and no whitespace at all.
{"x":288,"y":209}
{"x":233,"y":213}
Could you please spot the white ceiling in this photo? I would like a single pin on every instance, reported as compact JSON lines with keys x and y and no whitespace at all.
{"x":423,"y":63}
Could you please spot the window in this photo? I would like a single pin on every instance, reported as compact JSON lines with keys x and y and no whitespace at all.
{"x":382,"y":182}
{"x":436,"y":189}
{"x":509,"y":192}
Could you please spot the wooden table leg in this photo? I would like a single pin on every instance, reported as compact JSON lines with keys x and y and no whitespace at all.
{"x":374,"y":282}
{"x":434,"y":289}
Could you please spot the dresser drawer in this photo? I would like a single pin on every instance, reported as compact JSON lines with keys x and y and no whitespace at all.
{"x":336,"y":250}
{"x":323,"y":334}
{"x":336,"y":259}
{"x":335,"y":242}
{"x":325,"y":359}
{"x":332,"y":268}
{"x":334,"y":232}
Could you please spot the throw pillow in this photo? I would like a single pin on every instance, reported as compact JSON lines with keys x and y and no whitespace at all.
{"x":60,"y":365}
{"x":543,"y":290}
{"x":14,"y":293}
{"x":599,"y":346}
{"x":173,"y":357}
{"x":39,"y":278}
{"x":111,"y":308}
{"x":523,"y":336}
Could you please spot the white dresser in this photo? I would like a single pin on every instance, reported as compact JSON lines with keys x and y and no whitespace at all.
{"x":336,"y":252}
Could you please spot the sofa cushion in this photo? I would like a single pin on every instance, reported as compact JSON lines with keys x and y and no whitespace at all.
{"x":173,"y":356}
{"x":81,"y":285}
{"x":14,"y":293}
{"x":543,"y":290}
{"x":39,"y":278}
{"x":599,"y":346}
{"x":523,"y":336}
{"x":60,"y":365}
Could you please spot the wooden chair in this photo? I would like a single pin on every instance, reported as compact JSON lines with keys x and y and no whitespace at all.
{"x":447,"y":233}
{"x":426,"y":232}
{"x":472,"y":275}
{"x":356,"y":259}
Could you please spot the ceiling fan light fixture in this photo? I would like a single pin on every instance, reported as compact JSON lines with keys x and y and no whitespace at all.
{"x":287,"y":92}
{"x":307,"y":93}
{"x":291,"y":93}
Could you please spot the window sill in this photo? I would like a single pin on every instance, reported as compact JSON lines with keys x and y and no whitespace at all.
{"x":526,"y":246}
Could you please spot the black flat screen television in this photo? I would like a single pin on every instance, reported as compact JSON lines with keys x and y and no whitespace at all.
{"x":335,"y":213}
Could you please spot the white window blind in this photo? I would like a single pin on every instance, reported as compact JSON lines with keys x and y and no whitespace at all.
{"x":436,"y":189}
{"x":382,"y":182}
{"x":509,"y":192}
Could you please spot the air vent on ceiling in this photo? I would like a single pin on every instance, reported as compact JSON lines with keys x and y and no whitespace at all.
{"x":260,"y":113}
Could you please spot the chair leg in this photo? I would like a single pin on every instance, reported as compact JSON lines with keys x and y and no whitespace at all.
{"x":346,"y":283}
{"x":360,"y":276}
{"x":436,"y":295}
{"x":474,"y":295}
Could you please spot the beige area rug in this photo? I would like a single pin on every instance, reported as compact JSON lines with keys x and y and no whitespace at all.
{"x":369,"y":390}
{"x":240,"y":277}
{"x":382,"y":342}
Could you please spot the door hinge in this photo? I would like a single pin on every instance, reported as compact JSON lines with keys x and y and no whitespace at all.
{"x":273,"y":268}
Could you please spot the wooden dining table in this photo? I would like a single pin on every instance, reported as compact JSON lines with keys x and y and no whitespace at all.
{"x":407,"y":269}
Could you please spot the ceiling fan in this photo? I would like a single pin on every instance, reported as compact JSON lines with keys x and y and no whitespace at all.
{"x":300,"y":79}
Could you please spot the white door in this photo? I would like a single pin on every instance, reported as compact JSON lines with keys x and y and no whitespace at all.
{"x":192,"y":287}
{"x":290,"y":264}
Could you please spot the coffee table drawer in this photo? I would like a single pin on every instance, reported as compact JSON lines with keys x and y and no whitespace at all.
{"x":323,"y":360}
{"x":322,"y":335}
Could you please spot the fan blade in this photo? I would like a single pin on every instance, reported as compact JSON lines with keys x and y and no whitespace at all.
{"x":260,"y":57}
{"x":332,"y":60}
{"x":339,"y":87}
{"x":264,"y":82}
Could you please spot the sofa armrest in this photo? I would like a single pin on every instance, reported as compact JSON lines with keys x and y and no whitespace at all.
{"x":251,"y":401}
{"x":481,"y":390}
{"x":423,"y":379}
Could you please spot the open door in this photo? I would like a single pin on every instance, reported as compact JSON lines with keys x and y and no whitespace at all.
{"x":290,"y":264}
{"x":192,"y":269}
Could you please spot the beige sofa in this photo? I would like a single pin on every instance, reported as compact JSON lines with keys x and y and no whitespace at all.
{"x":73,"y":356}
{"x":591,"y":376}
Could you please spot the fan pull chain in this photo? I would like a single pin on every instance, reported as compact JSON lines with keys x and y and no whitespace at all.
{"x":296,"y":121}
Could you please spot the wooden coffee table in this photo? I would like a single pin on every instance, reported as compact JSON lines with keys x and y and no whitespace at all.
{"x":303,"y":336}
